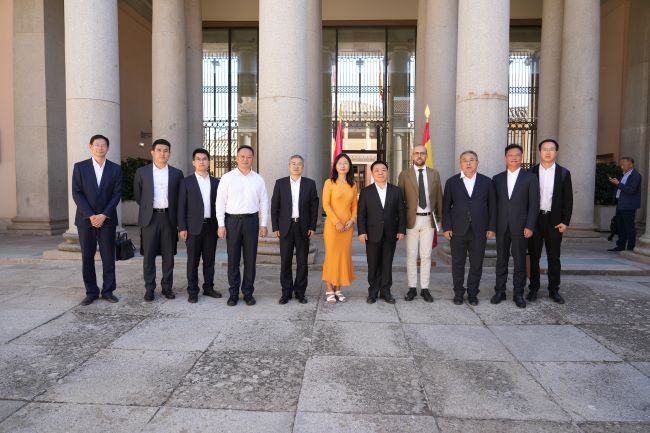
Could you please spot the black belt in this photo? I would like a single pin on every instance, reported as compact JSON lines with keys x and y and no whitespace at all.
{"x":241,"y":216}
{"x":206,"y":220}
{"x":295,"y":220}
{"x":160,"y":210}
{"x":423,"y":213}
{"x":544,"y":212}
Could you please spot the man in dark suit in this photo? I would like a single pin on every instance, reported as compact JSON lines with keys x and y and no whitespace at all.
{"x":469,"y":214}
{"x":197,"y":224}
{"x":155,"y":187}
{"x":96,"y":190}
{"x":555,"y":208}
{"x":381,"y":218}
{"x":517,"y":194}
{"x":294,"y":213}
{"x":628,"y":200}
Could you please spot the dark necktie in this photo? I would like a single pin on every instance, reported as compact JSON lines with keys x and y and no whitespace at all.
{"x":422,"y":201}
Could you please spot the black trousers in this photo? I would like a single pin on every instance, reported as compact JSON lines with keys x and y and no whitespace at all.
{"x":158,"y":238}
{"x":380,"y":265}
{"x":241,"y":236}
{"x":298,"y":240}
{"x":201,"y":246}
{"x":89,"y":238}
{"x":461,"y":247}
{"x":516,"y":244}
{"x":626,"y":228}
{"x":545,"y":235}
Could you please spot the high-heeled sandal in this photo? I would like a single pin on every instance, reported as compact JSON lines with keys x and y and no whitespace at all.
{"x":340,"y":297}
{"x":331,"y":297}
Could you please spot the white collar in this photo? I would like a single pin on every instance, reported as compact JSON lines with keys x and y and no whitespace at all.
{"x":239,"y":172}
{"x":295,"y":181}
{"x":198,"y":176}
{"x":552,"y":167}
{"x":513,"y":173}
{"x":462,"y":176}
{"x":160,"y":169}
{"x":384,"y":188}
{"x":96,"y":164}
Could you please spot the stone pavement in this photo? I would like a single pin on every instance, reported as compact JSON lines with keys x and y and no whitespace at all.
{"x":171,"y":366}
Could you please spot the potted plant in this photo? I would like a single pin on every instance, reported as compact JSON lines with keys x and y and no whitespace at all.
{"x":129,"y":206}
{"x":605,"y":194}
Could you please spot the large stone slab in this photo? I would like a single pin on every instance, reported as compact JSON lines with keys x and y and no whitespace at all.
{"x":175,"y":420}
{"x":450,"y":342}
{"x":130,"y":302}
{"x":605,"y":309}
{"x":267,"y":308}
{"x":18,"y":321}
{"x":177,"y":334}
{"x":8,"y":407}
{"x":76,"y":328}
{"x":552,"y":343}
{"x":631,"y":341}
{"x":309,"y":422}
{"x":456,"y":425}
{"x":27,"y":371}
{"x":486,"y":390}
{"x":362,"y":385}
{"x":359,"y":339}
{"x":266,"y":336}
{"x":507,"y":313}
{"x":614,"y":427}
{"x":242,"y":380}
{"x":77,"y":418}
{"x":44,"y":298}
{"x":128,"y":377}
{"x":357,"y":310}
{"x":643,"y":367}
{"x":440,"y":312}
{"x":206,"y":308}
{"x":596,"y":391}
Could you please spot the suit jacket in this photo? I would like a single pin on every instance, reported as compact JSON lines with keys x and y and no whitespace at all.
{"x":92,"y":199}
{"x":282,"y":202}
{"x":408,"y":183}
{"x":562,"y":202}
{"x":630,"y":197}
{"x":375,"y":220}
{"x":459,"y":209}
{"x":143,"y":192}
{"x":191,"y":207}
{"x":521,"y":209}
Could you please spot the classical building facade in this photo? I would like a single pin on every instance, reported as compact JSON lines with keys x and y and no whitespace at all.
{"x":281,"y":75}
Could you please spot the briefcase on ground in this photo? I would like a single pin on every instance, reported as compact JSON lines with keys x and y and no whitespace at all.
{"x":124,"y":248}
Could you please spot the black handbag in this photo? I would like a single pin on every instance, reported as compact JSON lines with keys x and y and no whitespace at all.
{"x":124,"y":248}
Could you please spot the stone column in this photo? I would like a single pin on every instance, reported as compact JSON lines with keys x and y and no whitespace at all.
{"x":283,"y":99}
{"x":578,"y":125}
{"x":643,"y":245}
{"x":550,"y":70}
{"x":39,"y":118}
{"x":398,"y":112}
{"x":169,"y":79}
{"x":246,"y":94}
{"x":92,"y":93}
{"x":482,"y":81}
{"x":194,"y":53}
{"x":314,"y":92}
{"x":420,"y":81}
{"x":329,"y":59}
{"x":440,"y":88}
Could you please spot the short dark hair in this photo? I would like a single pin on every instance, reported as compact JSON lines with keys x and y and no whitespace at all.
{"x":470,"y":152}
{"x":513,"y":146}
{"x":384,"y":163}
{"x":349,"y":177}
{"x":160,"y":141}
{"x":628,"y":158}
{"x":99,"y":137}
{"x":548,"y":140}
{"x":296,"y":156}
{"x":246,"y":146}
{"x":200,"y":150}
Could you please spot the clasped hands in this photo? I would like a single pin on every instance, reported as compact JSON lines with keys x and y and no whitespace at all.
{"x":364,"y":237}
{"x":344,"y":227}
{"x":97,"y":221}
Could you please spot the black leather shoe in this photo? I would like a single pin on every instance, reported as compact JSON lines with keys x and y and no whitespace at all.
{"x":458,"y":299}
{"x":88,"y":300}
{"x":301,"y":299}
{"x":283,"y":300}
{"x":615,"y":249}
{"x":532,"y":295}
{"x":193,"y":298}
{"x":232,"y":301}
{"x":555,"y":296}
{"x":110,"y":298}
{"x":389,"y":299}
{"x":472,"y":300}
{"x":519,"y":301}
{"x":426,"y":295}
{"x":169,"y":294}
{"x":497,"y":298}
{"x":249,"y":300}
{"x":412,"y":293}
{"x":148,"y":295}
{"x":212,"y":293}
{"x":371,"y":299}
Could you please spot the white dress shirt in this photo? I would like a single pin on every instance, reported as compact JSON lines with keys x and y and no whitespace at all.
{"x":382,"y":194}
{"x":99,"y":170}
{"x":426,"y":187}
{"x":623,"y":180}
{"x":512,"y":179}
{"x":546,"y":182}
{"x":204,"y":186}
{"x":160,"y":187}
{"x":295,"y":196}
{"x":469,"y":182}
{"x":241,"y":194}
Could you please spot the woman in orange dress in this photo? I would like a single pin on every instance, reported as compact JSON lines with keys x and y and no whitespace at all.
{"x":340,"y":206}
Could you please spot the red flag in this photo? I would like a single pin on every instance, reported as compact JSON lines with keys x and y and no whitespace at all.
{"x":426,"y":141}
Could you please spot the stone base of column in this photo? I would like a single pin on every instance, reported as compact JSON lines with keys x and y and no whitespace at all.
{"x":643,"y":248}
{"x":582,"y":231}
{"x":69,"y":249}
{"x":37,"y":226}
{"x":490,"y":259}
{"x":268,"y":252}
